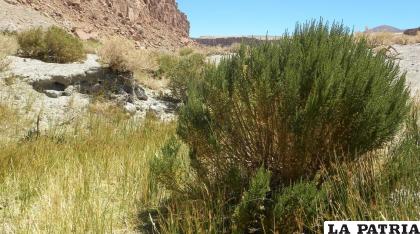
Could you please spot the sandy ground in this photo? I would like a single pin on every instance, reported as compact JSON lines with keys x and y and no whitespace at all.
{"x":409,"y":56}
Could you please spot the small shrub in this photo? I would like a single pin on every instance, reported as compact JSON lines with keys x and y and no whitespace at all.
{"x":121,"y":55}
{"x":115,"y":53}
{"x":296,"y":206}
{"x":182,"y":72}
{"x":293,"y":105}
{"x":186,"y":51}
{"x":32,"y":43}
{"x":250,"y":213}
{"x":52,"y":45}
{"x":164,"y":168}
{"x":167,"y":63}
{"x":91,"y":46}
{"x":62,"y":47}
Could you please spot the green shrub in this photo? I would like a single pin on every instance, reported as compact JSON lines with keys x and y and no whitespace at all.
{"x":293,"y":105}
{"x":32,"y":43}
{"x":182,"y":72}
{"x":62,"y":47}
{"x":186,"y":51}
{"x":250,"y":213}
{"x":52,"y":45}
{"x":187,"y":71}
{"x":167,"y":63}
{"x":164,"y":168}
{"x":296,"y":206}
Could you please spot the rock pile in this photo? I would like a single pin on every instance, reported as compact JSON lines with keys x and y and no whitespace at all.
{"x":58,"y":83}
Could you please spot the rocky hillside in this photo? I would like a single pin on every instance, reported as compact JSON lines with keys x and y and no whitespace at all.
{"x":153,"y":23}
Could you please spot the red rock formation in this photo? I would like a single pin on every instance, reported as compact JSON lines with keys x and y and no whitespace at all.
{"x":155,"y":23}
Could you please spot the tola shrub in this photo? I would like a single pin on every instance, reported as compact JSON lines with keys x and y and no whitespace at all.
{"x":293,"y":105}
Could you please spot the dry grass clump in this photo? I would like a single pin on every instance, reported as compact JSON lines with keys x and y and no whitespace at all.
{"x":387,"y":38}
{"x":8,"y":46}
{"x":121,"y":55}
{"x":91,"y":46}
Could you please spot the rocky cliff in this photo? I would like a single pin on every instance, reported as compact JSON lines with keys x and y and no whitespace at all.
{"x":153,"y":23}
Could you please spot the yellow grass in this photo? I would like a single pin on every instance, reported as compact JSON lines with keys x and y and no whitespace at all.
{"x":91,"y":179}
{"x":387,"y":38}
{"x":8,"y":46}
{"x":122,"y":55}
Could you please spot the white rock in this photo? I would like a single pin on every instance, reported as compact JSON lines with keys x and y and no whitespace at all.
{"x":130,"y":108}
{"x":36,"y":71}
{"x":69,"y":91}
{"x":53,"y":93}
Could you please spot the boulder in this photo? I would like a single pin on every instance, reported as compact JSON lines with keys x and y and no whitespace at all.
{"x":140,"y":93}
{"x":53,"y":93}
{"x":69,"y":90}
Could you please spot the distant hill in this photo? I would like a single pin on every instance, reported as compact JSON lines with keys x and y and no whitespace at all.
{"x":385,"y":28}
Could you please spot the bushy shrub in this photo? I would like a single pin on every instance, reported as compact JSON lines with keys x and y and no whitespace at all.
{"x":186,"y":51}
{"x":53,"y":45}
{"x":165,"y":167}
{"x":92,"y":46}
{"x":32,"y":43}
{"x":296,"y":206}
{"x":122,"y":56}
{"x":182,"y":72}
{"x":62,"y":47}
{"x":293,"y":105}
{"x":167,"y":62}
{"x":251,"y":212}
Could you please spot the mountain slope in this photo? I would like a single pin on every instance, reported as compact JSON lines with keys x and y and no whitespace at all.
{"x":154,"y":23}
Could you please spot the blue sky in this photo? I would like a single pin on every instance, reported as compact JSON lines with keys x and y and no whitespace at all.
{"x":256,"y":17}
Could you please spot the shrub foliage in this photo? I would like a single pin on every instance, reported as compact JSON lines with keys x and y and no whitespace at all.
{"x":293,"y":105}
{"x":52,"y":45}
{"x":182,"y":71}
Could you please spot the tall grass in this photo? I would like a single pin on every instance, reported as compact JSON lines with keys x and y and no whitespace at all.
{"x":386,"y":38}
{"x":8,"y":46}
{"x":91,"y":179}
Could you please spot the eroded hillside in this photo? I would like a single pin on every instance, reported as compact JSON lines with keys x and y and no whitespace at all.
{"x":153,"y":23}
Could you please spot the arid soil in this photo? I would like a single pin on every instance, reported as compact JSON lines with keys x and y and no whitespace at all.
{"x":18,"y":18}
